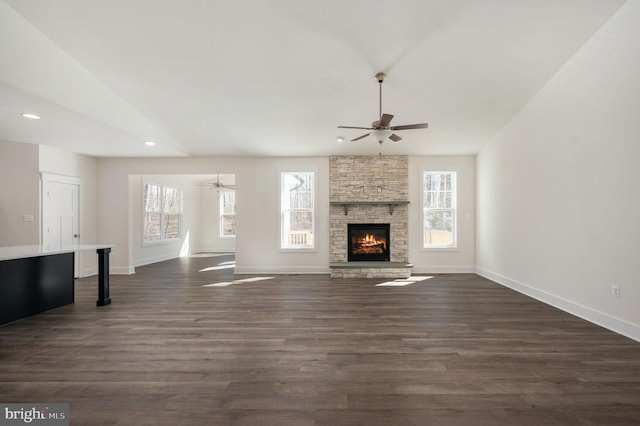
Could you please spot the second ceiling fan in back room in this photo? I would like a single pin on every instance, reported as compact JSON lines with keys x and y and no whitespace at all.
{"x":219,"y":185}
{"x":381,"y":129}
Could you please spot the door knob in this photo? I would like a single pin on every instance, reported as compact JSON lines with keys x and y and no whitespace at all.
{"x":76,"y":235}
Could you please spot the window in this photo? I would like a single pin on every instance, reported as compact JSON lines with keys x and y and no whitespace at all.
{"x":227,"y":214}
{"x":162,"y":210}
{"x":297,"y":205}
{"x":439,"y":209}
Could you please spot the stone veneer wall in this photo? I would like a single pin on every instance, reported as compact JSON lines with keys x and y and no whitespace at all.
{"x":369,"y":178}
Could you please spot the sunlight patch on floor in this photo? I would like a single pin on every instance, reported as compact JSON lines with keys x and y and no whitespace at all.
{"x":224,"y":265}
{"x":244,"y":280}
{"x":401,"y":282}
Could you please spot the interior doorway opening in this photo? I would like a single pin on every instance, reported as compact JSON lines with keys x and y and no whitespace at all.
{"x":206,"y":215}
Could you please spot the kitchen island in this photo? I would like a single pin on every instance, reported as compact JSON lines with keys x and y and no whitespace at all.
{"x":35,"y":278}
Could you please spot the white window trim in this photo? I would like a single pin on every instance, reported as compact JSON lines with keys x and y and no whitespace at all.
{"x":292,"y":170}
{"x":220,"y":214}
{"x":165,"y":241}
{"x":440,"y":247}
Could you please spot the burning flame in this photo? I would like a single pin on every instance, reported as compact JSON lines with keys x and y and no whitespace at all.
{"x":370,"y":240}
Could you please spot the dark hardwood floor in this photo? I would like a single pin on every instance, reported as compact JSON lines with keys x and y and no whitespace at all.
{"x":309,"y":350}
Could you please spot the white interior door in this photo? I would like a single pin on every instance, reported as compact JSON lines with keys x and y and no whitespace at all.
{"x":60,"y":214}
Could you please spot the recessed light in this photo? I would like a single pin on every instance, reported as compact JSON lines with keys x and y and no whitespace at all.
{"x":30,"y":116}
{"x":149,"y":143}
{"x":340,"y":139}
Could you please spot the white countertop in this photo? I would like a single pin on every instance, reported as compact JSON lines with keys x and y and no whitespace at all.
{"x":21,"y":252}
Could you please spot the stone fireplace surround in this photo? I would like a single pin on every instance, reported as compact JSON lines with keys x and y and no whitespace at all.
{"x":369,"y":189}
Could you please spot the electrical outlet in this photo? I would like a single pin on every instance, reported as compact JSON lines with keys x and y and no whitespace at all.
{"x":615,"y":290}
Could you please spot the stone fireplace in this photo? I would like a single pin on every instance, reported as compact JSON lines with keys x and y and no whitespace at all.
{"x":369,"y":191}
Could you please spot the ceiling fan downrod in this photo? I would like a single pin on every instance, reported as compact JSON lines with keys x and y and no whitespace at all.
{"x":380,"y":77}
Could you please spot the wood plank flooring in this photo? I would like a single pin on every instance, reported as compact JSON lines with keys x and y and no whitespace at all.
{"x":309,"y":350}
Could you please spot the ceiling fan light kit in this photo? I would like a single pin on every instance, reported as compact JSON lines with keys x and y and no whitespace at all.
{"x":381,"y":129}
{"x":381,"y":135}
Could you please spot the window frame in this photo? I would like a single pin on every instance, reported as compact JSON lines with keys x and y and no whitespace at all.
{"x":145,"y":241}
{"x":453,"y":209}
{"x":282,"y":246}
{"x":221,"y":214}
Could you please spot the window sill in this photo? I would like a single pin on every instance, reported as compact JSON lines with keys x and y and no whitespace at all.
{"x":440,"y":249}
{"x":298,"y":250}
{"x":161,"y":242}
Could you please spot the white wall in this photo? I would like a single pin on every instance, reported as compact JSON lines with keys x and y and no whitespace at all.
{"x":209,"y":237}
{"x":256,"y":244}
{"x":19,"y":194}
{"x":258,"y":214}
{"x":461,"y":259}
{"x":20,"y":167}
{"x":113,"y":218}
{"x":557,"y":190}
{"x":256,"y":203}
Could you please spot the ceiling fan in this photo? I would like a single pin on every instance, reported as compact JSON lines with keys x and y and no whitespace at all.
{"x":381,"y":128}
{"x":218,"y":185}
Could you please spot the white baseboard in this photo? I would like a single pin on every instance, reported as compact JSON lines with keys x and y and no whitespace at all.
{"x":122,"y":270}
{"x":155,"y":259}
{"x":320,"y":270}
{"x":443,"y":269}
{"x":617,"y":325}
{"x":90,"y":272}
{"x":212,"y":250}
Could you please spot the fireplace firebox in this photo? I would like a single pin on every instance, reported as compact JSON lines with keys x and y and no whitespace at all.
{"x":368,"y":242}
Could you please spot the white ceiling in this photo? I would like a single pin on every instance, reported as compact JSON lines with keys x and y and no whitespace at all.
{"x":276,"y":77}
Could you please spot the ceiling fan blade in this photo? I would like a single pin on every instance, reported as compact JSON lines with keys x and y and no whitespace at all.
{"x":410,"y":126}
{"x":385,"y":120}
{"x":395,"y":137}
{"x":351,"y":127}
{"x":360,"y":137}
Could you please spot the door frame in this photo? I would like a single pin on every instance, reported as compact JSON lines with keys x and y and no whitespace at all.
{"x":47,"y":178}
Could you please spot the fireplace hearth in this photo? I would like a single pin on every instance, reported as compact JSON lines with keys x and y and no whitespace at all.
{"x":368,"y":242}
